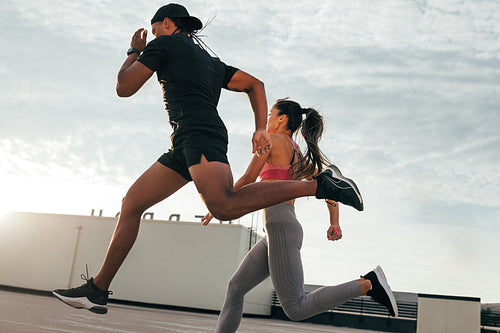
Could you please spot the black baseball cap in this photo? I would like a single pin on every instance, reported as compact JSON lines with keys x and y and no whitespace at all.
{"x":174,"y":10}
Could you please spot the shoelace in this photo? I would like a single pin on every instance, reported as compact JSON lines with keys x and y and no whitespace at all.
{"x":87,"y":279}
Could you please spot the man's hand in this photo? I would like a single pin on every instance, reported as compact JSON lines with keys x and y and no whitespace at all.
{"x":261,"y":142}
{"x":133,"y":74}
{"x":139,"y":39}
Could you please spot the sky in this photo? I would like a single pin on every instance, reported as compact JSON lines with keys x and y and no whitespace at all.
{"x":410,"y":92}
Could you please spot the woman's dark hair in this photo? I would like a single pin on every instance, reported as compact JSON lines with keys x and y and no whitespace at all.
{"x":311,"y":128}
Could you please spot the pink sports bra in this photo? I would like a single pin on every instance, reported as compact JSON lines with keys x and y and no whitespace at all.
{"x":270,"y":171}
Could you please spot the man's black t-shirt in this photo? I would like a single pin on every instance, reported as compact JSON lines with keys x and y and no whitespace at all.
{"x":191,"y":80}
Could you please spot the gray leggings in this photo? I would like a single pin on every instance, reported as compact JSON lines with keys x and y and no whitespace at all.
{"x":278,"y":255}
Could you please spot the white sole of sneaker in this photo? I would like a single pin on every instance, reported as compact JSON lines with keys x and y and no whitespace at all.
{"x":336,"y":172}
{"x":383,"y":282}
{"x":82,"y":303}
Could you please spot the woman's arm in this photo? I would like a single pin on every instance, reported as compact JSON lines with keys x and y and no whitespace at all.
{"x":252,"y":172}
{"x":334,"y":231}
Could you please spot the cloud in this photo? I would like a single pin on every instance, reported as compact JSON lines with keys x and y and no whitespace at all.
{"x":395,"y":72}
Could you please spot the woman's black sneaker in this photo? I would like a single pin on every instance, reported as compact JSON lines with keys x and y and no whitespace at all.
{"x":334,"y":186}
{"x":87,"y":296}
{"x":381,"y":292}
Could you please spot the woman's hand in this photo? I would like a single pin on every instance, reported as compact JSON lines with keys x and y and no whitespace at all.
{"x":207,"y":218}
{"x":334,"y":232}
{"x":139,"y":39}
{"x":261,"y":142}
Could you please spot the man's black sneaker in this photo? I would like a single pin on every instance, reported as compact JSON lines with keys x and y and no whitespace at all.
{"x":381,"y":292}
{"x":334,"y":186}
{"x":87,"y":296}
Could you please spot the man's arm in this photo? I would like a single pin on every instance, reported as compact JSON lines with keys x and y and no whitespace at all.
{"x":133,"y":74}
{"x":254,"y":88}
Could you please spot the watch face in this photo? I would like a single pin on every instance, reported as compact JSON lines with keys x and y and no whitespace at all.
{"x":132,"y":50}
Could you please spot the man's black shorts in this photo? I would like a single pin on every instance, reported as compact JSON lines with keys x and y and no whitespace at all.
{"x":187,"y":151}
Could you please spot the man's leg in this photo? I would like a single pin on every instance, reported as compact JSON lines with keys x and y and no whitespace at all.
{"x":153,"y":186}
{"x":214,"y":182}
{"x":156,"y":184}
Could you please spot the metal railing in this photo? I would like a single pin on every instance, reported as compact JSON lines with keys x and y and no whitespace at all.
{"x":365,"y":306}
{"x":490,"y":318}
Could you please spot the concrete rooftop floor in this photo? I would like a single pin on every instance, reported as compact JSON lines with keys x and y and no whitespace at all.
{"x":29,"y":313}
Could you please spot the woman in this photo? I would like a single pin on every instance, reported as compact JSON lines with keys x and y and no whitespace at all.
{"x":192,"y":81}
{"x":278,"y":254}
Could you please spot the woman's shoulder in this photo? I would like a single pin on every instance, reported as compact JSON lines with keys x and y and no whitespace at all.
{"x":280,"y":139}
{"x":282,"y":149}
{"x":283,"y":139}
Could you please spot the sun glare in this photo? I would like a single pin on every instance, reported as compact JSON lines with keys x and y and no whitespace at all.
{"x":3,"y":213}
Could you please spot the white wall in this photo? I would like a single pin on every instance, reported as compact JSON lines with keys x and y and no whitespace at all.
{"x":442,"y":314}
{"x":173,"y":263}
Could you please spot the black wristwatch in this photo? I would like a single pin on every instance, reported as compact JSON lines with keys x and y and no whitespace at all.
{"x":133,"y":50}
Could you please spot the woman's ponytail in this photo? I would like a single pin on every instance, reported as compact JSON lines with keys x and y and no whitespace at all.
{"x":311,"y":128}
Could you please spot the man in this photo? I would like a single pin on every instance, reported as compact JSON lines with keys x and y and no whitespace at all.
{"x":192,"y":81}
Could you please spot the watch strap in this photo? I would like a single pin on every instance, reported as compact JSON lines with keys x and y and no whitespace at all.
{"x":133,"y":50}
